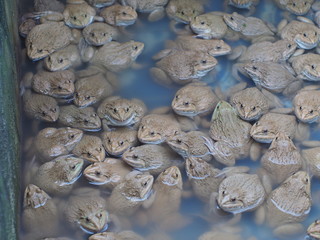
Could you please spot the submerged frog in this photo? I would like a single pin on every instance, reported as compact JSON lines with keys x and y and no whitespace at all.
{"x":182,"y":67}
{"x":110,"y":172}
{"x":313,"y":230}
{"x":194,"y":99}
{"x":288,"y":205}
{"x":53,"y":142}
{"x":57,"y":176}
{"x":307,"y":66}
{"x":117,"y":141}
{"x":130,"y":194}
{"x":311,"y":157}
{"x":123,"y":235}
{"x":98,"y":34}
{"x":55,"y":84}
{"x":117,"y":111}
{"x":184,"y":10}
{"x":83,"y":118}
{"x":151,"y":158}
{"x":156,"y":128}
{"x":297,"y":7}
{"x":118,"y":15}
{"x":90,"y":148}
{"x":244,"y":4}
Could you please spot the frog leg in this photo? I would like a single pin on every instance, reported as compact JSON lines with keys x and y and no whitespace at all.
{"x":292,"y":88}
{"x":98,"y":19}
{"x":163,"y":53}
{"x":310,"y":144}
{"x":156,"y":14}
{"x":237,"y":52}
{"x":86,"y":51}
{"x":304,"y":19}
{"x":160,"y":76}
{"x":260,"y":215}
{"x":265,"y":179}
{"x":263,"y":38}
{"x":274,"y":101}
{"x":236,"y":88}
{"x":255,"y":151}
{"x":238,"y":67}
{"x":287,"y":230}
{"x":282,"y":24}
{"x":302,"y":131}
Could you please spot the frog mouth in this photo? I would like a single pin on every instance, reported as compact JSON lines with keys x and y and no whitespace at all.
{"x":126,"y":22}
{"x":184,"y":112}
{"x":305,"y":45}
{"x":310,"y":76}
{"x":116,"y":122}
{"x":105,"y":227}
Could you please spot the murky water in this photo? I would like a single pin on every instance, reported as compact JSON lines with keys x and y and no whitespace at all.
{"x":139,"y":84}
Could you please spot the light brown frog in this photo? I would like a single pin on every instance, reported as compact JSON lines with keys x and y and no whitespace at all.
{"x":116,"y":56}
{"x":110,"y":172}
{"x":53,"y":142}
{"x":100,"y":3}
{"x":194,"y":99}
{"x":313,"y":230}
{"x":40,"y":107}
{"x":55,"y":84}
{"x":311,"y":157}
{"x":118,"y":15}
{"x":117,"y":111}
{"x":25,"y":26}
{"x":83,"y":118}
{"x":46,"y":38}
{"x":123,"y":235}
{"x":90,"y":148}
{"x":182,"y":67}
{"x":288,"y":205}
{"x":156,"y":128}
{"x":98,"y":34}
{"x":297,"y":7}
{"x":117,"y":141}
{"x":130,"y":194}
{"x":307,"y":66}
{"x":152,"y":158}
{"x":184,"y":10}
{"x":244,"y":4}
{"x":48,"y":5}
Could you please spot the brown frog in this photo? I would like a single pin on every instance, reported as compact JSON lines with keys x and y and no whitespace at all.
{"x":151,"y":158}
{"x":244,"y":4}
{"x":90,"y":148}
{"x":100,"y":3}
{"x":307,"y":66}
{"x":297,"y":7}
{"x":311,"y":157}
{"x":98,"y":34}
{"x":110,"y":172}
{"x":313,"y":230}
{"x":118,"y":15}
{"x":117,"y":141}
{"x":184,"y":10}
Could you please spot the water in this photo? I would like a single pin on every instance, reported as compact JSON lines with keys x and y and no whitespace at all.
{"x":138,"y":84}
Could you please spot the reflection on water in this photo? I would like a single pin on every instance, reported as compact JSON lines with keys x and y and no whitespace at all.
{"x":138,"y":84}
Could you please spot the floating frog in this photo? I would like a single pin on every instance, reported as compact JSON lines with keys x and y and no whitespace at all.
{"x":109,"y":172}
{"x":130,"y":194}
{"x":311,"y":157}
{"x":307,"y":66}
{"x":270,"y":124}
{"x":117,"y":141}
{"x":53,"y":142}
{"x":116,"y":56}
{"x":305,"y":34}
{"x":40,"y":107}
{"x":155,"y":8}
{"x":151,"y":158}
{"x":123,"y":235}
{"x":91,"y":89}
{"x":117,"y":111}
{"x":83,"y":118}
{"x":297,"y":7}
{"x":282,"y":159}
{"x":100,"y":3}
{"x":156,"y":128}
{"x":98,"y":34}
{"x":274,"y":77}
{"x":244,"y":4}
{"x":90,"y":148}
{"x":313,"y":230}
{"x":182,"y":67}
{"x":194,"y":99}
{"x":46,"y":38}
{"x":184,"y":10}
{"x":55,"y":84}
{"x":118,"y":15}
{"x":288,"y":205}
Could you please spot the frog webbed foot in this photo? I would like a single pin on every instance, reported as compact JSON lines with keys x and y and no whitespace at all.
{"x":236,"y":68}
{"x":287,"y":230}
{"x":160,"y":77}
{"x":156,"y":14}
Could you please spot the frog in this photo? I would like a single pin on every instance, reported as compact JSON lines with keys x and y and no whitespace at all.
{"x":304,"y":33}
{"x":194,"y":99}
{"x":190,"y":144}
{"x":87,"y":210}
{"x":25,"y":26}
{"x":118,"y":15}
{"x":184,"y":11}
{"x":100,"y":3}
{"x":123,"y":235}
{"x":108,"y":173}
{"x":63,"y":59}
{"x":297,"y":7}
{"x":156,"y":128}
{"x":118,"y":111}
{"x":267,"y":127}
{"x":84,"y":118}
{"x":274,"y":77}
{"x":288,"y":205}
{"x":164,"y":210}
{"x":244,"y":4}
{"x":231,"y":135}
{"x":98,"y":33}
{"x":40,"y":107}
{"x":90,"y":148}
{"x":182,"y":67}
{"x":116,"y":56}
{"x":40,"y":216}
{"x":46,"y":38}
{"x":222,"y":233}
{"x":48,"y":5}
{"x":58,"y":176}
{"x":306,"y":66}
{"x":214,"y":47}
{"x":58,"y":84}
{"x":53,"y":142}
{"x":252,"y":103}
{"x":313,"y":230}
{"x":117,"y":141}
{"x":130,"y":194}
{"x":311,"y":157}
{"x":282,"y":159}
{"x":155,"y":8}
{"x":92,"y":89}
{"x":306,"y":105}
{"x":250,"y":28}
{"x":152,"y":158}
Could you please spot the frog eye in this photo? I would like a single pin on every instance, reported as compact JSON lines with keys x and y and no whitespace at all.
{"x":144,"y":184}
{"x":135,"y":156}
{"x":300,"y":108}
{"x":115,"y":110}
{"x":94,"y":114}
{"x":53,"y":110}
{"x":73,"y":167}
{"x":186,"y":103}
{"x":121,"y":143}
{"x":182,"y":12}
{"x":289,"y":45}
{"x":223,"y":192}
{"x":179,"y":141}
{"x":311,"y":111}
{"x":135,"y":47}
{"x":276,"y":138}
{"x":305,"y":35}
{"x":203,"y":61}
{"x":74,"y":18}
{"x":92,"y":34}
{"x":88,"y":219}
{"x":202,"y":22}
{"x":231,"y":18}
{"x":71,"y":136}
{"x":39,"y":50}
{"x":306,"y":180}
{"x":100,"y":149}
{"x":104,"y":34}
{"x":142,"y":127}
{"x":177,"y":96}
{"x":98,"y":173}
{"x":87,"y":97}
{"x":59,"y":87}
{"x":254,"y":108}
{"x":194,"y":11}
{"x":77,"y":94}
{"x":124,"y":13}
{"x":85,"y":15}
{"x":152,"y":133}
{"x":233,"y":199}
{"x":241,"y":105}
{"x":60,"y":60}
{"x":218,"y":47}
{"x":313,"y":67}
{"x":254,"y":68}
{"x":315,"y":33}
{"x":109,"y":140}
{"x":191,"y":166}
{"x":265,"y":131}
{"x":127,"y":109}
{"x":175,"y":176}
{"x":89,"y":154}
